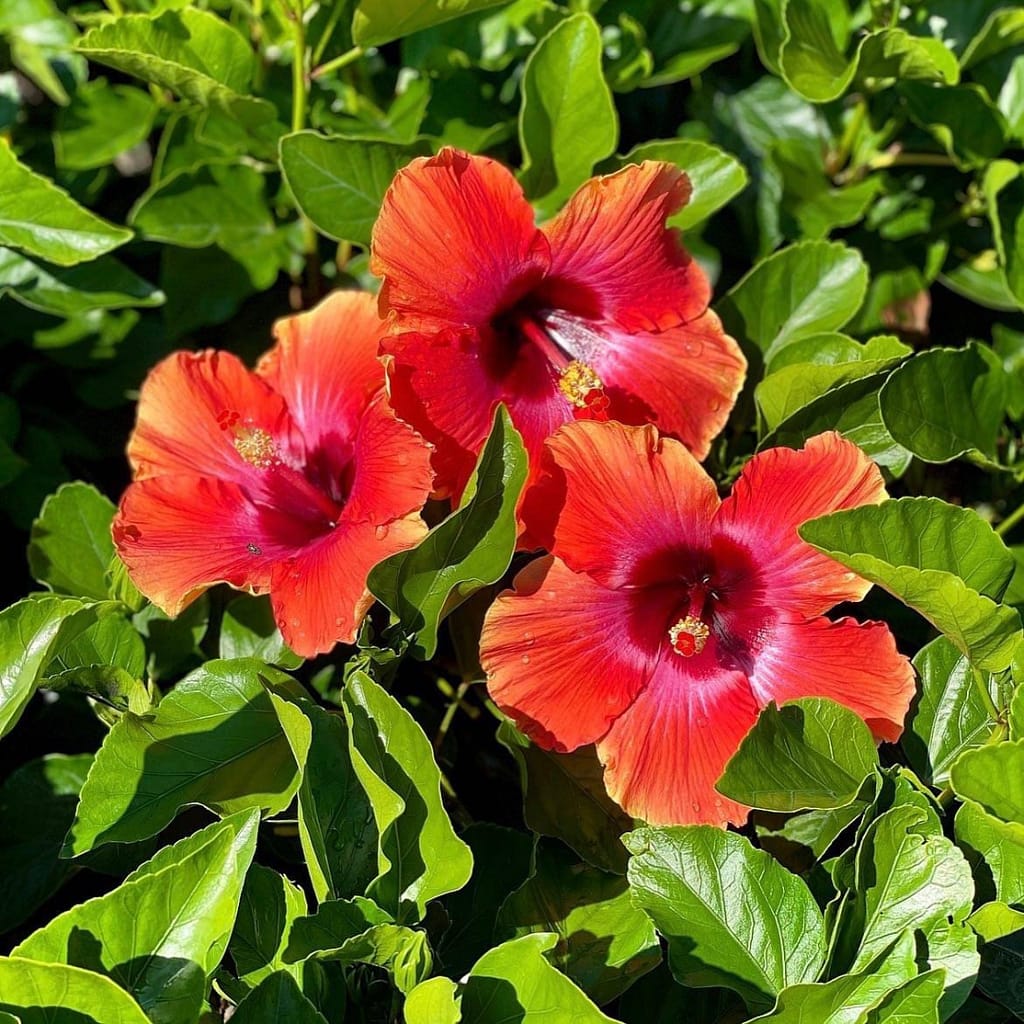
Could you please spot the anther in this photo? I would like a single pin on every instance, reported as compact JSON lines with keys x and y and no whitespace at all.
{"x":688,"y":636}
{"x":581,"y":385}
{"x":256,"y":446}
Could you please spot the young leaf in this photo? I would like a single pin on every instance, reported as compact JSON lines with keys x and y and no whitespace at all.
{"x":732,"y":916}
{"x":944,"y":561}
{"x":162,"y":932}
{"x":469,"y":550}
{"x":70,"y":546}
{"x":995,"y":849}
{"x":419,"y":856}
{"x":567,"y":122}
{"x":215,"y":740}
{"x":808,"y":753}
{"x":433,"y":1001}
{"x":992,"y":777}
{"x":44,"y":221}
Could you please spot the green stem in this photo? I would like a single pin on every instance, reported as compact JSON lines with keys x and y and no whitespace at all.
{"x":325,"y":36}
{"x":1010,"y":521}
{"x":909,"y":160}
{"x":842,"y":154}
{"x":449,"y":714}
{"x":348,"y":57}
{"x":115,"y":8}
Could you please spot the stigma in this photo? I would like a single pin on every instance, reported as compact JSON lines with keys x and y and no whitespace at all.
{"x":580,"y":384}
{"x":256,"y":447}
{"x":688,"y":636}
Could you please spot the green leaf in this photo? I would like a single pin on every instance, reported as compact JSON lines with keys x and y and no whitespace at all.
{"x":515,"y":984}
{"x":1003,"y":29}
{"x":172,"y":644}
{"x":101,"y":122}
{"x":57,"y":994}
{"x":814,"y":65}
{"x":848,"y":998}
{"x":716,"y":176}
{"x":37,"y":805}
{"x":101,"y":284}
{"x":914,"y":1002}
{"x":379,"y":21}
{"x":39,"y":36}
{"x":605,"y":943}
{"x":1004,"y":189}
{"x":44,"y":221}
{"x":992,"y":777}
{"x":269,"y":905}
{"x":248,"y":630}
{"x":803,"y":290}
{"x":810,"y":753}
{"x":339,"y":183}
{"x":70,"y":546}
{"x":193,"y":53}
{"x":995,"y":849}
{"x":961,"y":119}
{"x":432,"y":1002}
{"x":469,"y":550}
{"x":945,"y":562}
{"x":553,"y":781}
{"x":31,"y":631}
{"x":733,"y":916}
{"x":277,"y":998}
{"x":567,"y":121}
{"x":910,"y":876}
{"x":336,"y":822}
{"x":946,"y":402}
{"x":215,"y":739}
{"x":163,"y":931}
{"x":955,"y":711}
{"x":419,"y":856}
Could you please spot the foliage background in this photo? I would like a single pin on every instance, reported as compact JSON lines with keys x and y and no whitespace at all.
{"x":856,"y":172}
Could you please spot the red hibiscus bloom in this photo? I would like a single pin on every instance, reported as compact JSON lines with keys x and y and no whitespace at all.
{"x":294,"y":480}
{"x":599,"y":314}
{"x":666,"y":618}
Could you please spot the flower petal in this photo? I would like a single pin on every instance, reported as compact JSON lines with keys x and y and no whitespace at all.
{"x":665,"y":753}
{"x":187,"y":406}
{"x":612,"y":257}
{"x":391,"y":475}
{"x":778,"y":490}
{"x":179,"y":535}
{"x":853,"y":663}
{"x":563,"y":655}
{"x":455,"y":242}
{"x":684,"y":379}
{"x":634,"y":503}
{"x":325,"y":366}
{"x":319,"y":595}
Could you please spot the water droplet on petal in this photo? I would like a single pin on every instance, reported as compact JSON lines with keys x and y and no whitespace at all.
{"x":402,"y":459}
{"x":692,"y":347}
{"x":381,"y":531}
{"x":525,"y":659}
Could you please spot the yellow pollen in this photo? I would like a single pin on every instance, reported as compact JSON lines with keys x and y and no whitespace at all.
{"x":577,"y":381}
{"x":688,"y":636}
{"x":256,"y":446}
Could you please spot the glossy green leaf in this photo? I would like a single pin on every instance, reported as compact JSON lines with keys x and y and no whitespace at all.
{"x":215,"y":739}
{"x":605,"y":943}
{"x":993,"y":776}
{"x":960,"y":117}
{"x":248,"y":630}
{"x":64,"y":291}
{"x":469,"y":550}
{"x":1004,"y":190}
{"x":37,"y":806}
{"x":715,"y":175}
{"x":553,"y":781}
{"x":433,"y":1001}
{"x":39,"y":993}
{"x":70,"y":547}
{"x":339,"y":183}
{"x":803,"y":290}
{"x":914,"y":1002}
{"x":733,"y":916}
{"x":995,"y":849}
{"x":193,"y":53}
{"x":849,"y":998}
{"x":43,"y":221}
{"x":268,"y":907}
{"x":946,"y":402}
{"x":40,"y":36}
{"x":515,"y":984}
{"x":379,"y":21}
{"x":419,"y":856}
{"x":277,"y":998}
{"x":102,"y":121}
{"x":162,"y":932}
{"x":944,"y":561}
{"x":810,"y":753}
{"x":567,"y":122}
{"x":1003,"y":29}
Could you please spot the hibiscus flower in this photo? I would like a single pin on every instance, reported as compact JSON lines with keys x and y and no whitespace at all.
{"x":294,"y":480}
{"x":599,"y":314}
{"x":666,"y":619}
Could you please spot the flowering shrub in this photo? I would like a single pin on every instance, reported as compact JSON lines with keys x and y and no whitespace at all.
{"x":520,"y":502}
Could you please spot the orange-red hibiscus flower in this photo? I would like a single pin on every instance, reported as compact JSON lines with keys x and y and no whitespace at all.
{"x":599,"y":314}
{"x":294,"y":480}
{"x":666,"y":618}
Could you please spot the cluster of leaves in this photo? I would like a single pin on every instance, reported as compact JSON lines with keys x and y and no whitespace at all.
{"x":193,"y":819}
